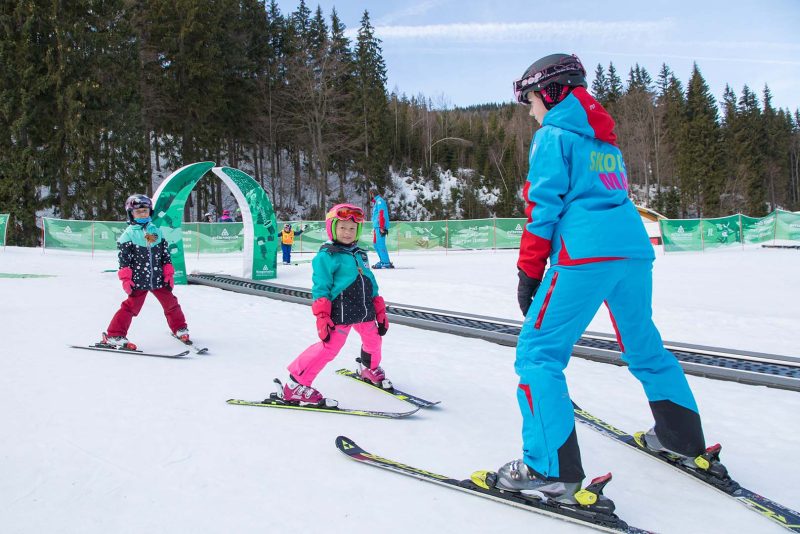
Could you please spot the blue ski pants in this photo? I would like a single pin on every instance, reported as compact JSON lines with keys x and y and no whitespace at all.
{"x":563,"y":307}
{"x":380,"y":248}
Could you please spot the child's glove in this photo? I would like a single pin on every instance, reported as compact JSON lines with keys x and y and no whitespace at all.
{"x":384,"y":232}
{"x":322,"y":309}
{"x":169,"y":275}
{"x":526,"y":290}
{"x":126,"y":275}
{"x":380,"y":315}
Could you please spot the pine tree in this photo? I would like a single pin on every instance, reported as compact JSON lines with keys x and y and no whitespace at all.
{"x":700,"y":173}
{"x":600,"y":85}
{"x":371,"y":105}
{"x":614,"y":82}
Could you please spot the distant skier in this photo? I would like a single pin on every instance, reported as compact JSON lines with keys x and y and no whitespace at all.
{"x":380,"y":229}
{"x":226,"y":216}
{"x":144,"y":266}
{"x":580,"y":217}
{"x":345,"y":297}
{"x":287,"y":236}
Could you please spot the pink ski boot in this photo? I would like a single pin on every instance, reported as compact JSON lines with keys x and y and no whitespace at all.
{"x":295,"y":393}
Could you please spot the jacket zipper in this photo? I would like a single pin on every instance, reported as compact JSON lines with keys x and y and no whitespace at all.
{"x":149,"y":259}
{"x":363,"y":289}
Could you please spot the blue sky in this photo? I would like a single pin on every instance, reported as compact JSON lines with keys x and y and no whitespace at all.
{"x":463,"y":52}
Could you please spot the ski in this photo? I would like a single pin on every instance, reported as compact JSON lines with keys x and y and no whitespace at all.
{"x":106,"y":348}
{"x":606,"y":522}
{"x":394,"y":392}
{"x":274,"y":402}
{"x":191,"y":345}
{"x":783,"y":516}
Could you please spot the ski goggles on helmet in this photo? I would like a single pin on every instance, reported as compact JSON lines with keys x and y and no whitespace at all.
{"x":536,"y":81}
{"x":345,"y":212}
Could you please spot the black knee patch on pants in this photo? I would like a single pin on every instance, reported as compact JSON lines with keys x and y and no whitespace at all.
{"x":366,"y":359}
{"x":569,"y":461}
{"x":678,"y":428}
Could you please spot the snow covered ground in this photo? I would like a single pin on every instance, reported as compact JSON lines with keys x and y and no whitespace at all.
{"x":96,"y":442}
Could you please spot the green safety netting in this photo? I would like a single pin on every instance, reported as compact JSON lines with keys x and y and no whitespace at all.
{"x":3,"y":227}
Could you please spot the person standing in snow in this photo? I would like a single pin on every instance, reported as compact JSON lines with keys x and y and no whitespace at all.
{"x":580,"y":217}
{"x":144,"y":266}
{"x":346,"y":298}
{"x":380,"y":229}
{"x":287,"y":236}
{"x":226,"y":216}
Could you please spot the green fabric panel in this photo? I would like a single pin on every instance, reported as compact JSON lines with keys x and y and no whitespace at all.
{"x":681,"y":235}
{"x":69,"y":235}
{"x":755,"y":230}
{"x":788,"y":226}
{"x":3,"y":227}
{"x":721,"y":232}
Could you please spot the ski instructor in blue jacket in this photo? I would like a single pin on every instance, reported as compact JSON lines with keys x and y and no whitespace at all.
{"x":581,"y":219}
{"x":380,"y":229}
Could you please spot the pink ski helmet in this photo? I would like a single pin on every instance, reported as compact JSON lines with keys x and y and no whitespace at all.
{"x":343,"y":212}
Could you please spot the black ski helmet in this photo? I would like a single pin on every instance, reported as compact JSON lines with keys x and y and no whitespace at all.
{"x":552,"y":76}
{"x":136,"y":202}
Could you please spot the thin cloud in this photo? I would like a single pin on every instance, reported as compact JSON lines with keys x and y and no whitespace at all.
{"x":420,"y":8}
{"x":526,"y":31}
{"x":698,"y":58}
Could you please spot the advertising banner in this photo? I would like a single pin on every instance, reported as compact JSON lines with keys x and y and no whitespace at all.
{"x":681,"y":235}
{"x":787,"y":226}
{"x":721,"y":232}
{"x":3,"y":227}
{"x":758,"y":230}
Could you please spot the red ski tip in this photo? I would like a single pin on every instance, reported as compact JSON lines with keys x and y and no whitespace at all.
{"x":603,"y":478}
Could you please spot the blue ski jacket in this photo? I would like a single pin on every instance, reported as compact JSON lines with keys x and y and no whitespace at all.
{"x":576,"y":193}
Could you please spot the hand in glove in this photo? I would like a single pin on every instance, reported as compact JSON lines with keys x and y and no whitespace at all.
{"x":169,"y":275}
{"x":126,"y":275}
{"x":384,"y":232}
{"x":380,"y":315}
{"x":526,"y":290}
{"x":322,"y":309}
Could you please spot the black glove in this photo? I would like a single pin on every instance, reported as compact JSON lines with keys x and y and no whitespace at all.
{"x":526,"y":290}
{"x":384,"y":232}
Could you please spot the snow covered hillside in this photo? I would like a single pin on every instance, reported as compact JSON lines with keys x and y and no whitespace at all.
{"x":96,"y":442}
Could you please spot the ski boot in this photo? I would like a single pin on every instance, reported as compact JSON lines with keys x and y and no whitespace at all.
{"x":706,"y":466}
{"x":295,"y":393}
{"x":375,"y":376}
{"x":183,"y":334}
{"x":116,"y":342}
{"x":517,"y":477}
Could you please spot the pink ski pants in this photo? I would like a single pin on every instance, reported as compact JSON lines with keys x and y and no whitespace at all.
{"x":311,"y":361}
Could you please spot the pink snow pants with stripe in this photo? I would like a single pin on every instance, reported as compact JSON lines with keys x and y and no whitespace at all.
{"x":307,"y":366}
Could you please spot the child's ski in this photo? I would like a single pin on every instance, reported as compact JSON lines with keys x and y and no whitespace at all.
{"x":191,"y":345}
{"x":582,"y":515}
{"x":394,"y":392}
{"x":274,"y":402}
{"x":107,"y":348}
{"x":786,"y":517}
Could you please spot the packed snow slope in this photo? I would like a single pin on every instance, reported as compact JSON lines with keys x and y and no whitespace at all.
{"x":97,"y":442}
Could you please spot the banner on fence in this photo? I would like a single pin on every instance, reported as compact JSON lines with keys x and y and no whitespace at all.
{"x":758,"y":230}
{"x":3,"y":227}
{"x":721,"y":232}
{"x":787,"y":226}
{"x":681,"y":235}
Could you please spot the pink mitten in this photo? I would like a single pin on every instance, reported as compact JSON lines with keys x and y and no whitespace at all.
{"x":322,"y":309}
{"x":126,"y":275}
{"x":169,"y":275}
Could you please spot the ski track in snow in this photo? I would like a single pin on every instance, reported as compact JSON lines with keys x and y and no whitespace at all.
{"x":99,"y":442}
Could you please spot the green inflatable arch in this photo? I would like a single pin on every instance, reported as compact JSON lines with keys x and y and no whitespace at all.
{"x":258,"y":217}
